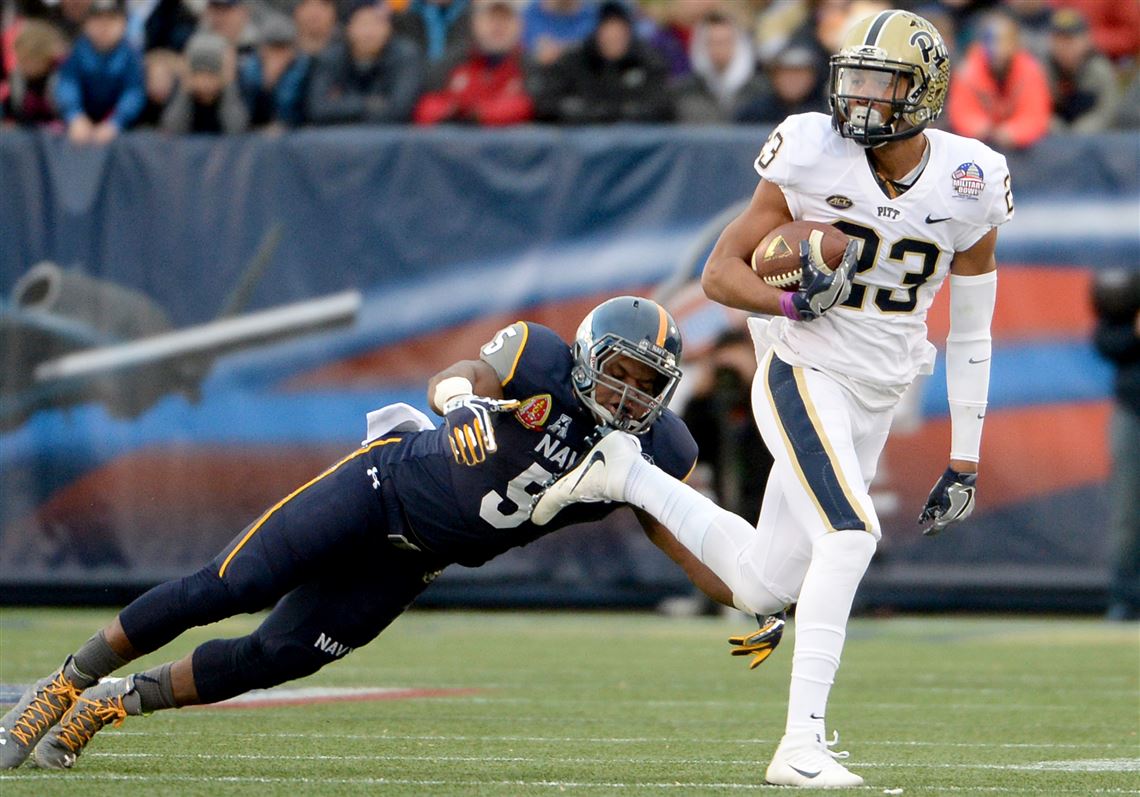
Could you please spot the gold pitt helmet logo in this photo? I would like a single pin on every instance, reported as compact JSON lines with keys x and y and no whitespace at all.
{"x":535,"y":411}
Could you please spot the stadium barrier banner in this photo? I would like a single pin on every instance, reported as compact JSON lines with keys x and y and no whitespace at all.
{"x":192,"y":327}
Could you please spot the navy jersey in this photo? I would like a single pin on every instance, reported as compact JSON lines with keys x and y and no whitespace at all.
{"x":468,"y":514}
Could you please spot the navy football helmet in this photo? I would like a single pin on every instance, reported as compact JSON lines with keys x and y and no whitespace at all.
{"x":638,"y":329}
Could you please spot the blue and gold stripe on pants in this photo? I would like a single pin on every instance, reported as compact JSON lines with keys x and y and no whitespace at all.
{"x":253,"y":529}
{"x":812,"y":455}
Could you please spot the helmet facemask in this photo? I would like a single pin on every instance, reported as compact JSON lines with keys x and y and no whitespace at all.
{"x":858,"y":86}
{"x":636,"y":409}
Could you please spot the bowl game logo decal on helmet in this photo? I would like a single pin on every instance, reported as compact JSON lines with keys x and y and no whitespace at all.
{"x":968,"y":181}
{"x":534,"y":411}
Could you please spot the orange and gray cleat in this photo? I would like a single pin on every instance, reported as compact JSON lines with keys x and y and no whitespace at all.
{"x":96,"y":707}
{"x":39,"y":708}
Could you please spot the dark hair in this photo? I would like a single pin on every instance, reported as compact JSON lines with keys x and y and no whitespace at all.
{"x":1116,"y":294}
{"x":614,"y":9}
{"x":718,"y":18}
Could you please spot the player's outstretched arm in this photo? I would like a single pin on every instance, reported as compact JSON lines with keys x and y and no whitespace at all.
{"x":973,"y":293}
{"x":480,"y":376}
{"x":727,"y":277}
{"x":702,"y":577}
{"x":467,"y":394}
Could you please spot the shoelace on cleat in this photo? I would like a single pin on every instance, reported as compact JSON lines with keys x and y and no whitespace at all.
{"x":87,"y":718}
{"x":838,"y":755}
{"x":42,"y":713}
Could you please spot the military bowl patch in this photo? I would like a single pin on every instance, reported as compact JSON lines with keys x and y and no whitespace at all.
{"x":968,"y":180}
{"x":535,"y":411}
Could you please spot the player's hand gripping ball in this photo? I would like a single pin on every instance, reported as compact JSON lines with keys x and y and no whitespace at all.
{"x":776,"y":259}
{"x":469,"y":427}
{"x":812,"y":262}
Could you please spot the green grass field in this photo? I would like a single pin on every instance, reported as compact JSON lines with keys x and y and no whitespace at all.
{"x":629,"y":704}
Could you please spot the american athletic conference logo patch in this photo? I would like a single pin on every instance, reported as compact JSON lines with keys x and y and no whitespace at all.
{"x":968,"y":181}
{"x":535,"y":411}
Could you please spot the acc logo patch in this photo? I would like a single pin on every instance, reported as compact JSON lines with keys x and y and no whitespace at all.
{"x":535,"y":411}
{"x":839,"y":201}
{"x":968,"y":181}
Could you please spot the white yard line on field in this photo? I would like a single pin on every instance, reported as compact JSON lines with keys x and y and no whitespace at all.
{"x":561,"y":785}
{"x":1084,"y":765}
{"x":614,"y":739}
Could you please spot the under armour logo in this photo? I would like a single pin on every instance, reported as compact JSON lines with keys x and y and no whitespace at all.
{"x":374,"y":473}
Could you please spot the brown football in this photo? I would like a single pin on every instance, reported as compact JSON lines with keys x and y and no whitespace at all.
{"x":777,"y":257}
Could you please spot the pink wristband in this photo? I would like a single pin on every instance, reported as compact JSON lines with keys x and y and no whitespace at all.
{"x":788,"y":307}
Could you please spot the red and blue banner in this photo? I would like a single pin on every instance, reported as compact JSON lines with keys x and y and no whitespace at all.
{"x":125,"y":472}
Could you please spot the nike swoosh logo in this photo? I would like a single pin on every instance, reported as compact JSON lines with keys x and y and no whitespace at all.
{"x":597,"y":456}
{"x":981,"y":415}
{"x":814,"y":717}
{"x":931,"y":220}
{"x":807,"y":774}
{"x":972,"y":361}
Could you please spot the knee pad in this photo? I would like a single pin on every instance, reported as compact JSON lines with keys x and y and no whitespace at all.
{"x":287,"y":658}
{"x":164,"y":612}
{"x":845,"y":549}
{"x":225,"y":668}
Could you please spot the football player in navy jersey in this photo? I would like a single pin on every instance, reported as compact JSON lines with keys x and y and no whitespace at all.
{"x":342,"y":556}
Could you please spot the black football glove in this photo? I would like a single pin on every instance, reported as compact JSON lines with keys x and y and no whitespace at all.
{"x":469,"y":427}
{"x":951,"y":500}
{"x":821,"y":288}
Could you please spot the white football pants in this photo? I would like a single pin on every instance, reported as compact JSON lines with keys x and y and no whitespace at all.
{"x":825,"y":447}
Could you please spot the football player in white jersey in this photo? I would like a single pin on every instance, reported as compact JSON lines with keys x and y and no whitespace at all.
{"x":920,"y":206}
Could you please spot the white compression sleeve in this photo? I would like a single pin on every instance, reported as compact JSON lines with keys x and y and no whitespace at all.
{"x":714,"y":535}
{"x":968,"y":352}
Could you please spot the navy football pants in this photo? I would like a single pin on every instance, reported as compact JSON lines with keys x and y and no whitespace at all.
{"x":322,"y":556}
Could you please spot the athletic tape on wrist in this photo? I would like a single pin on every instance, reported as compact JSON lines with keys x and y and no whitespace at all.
{"x":450,"y":388}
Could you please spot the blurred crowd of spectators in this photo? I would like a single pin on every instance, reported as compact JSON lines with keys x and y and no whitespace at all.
{"x":93,"y":68}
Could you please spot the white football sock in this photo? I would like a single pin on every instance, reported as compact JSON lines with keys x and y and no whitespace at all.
{"x":714,"y":535}
{"x":838,"y":562}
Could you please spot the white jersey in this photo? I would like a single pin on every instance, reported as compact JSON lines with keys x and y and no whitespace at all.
{"x":877,"y":337}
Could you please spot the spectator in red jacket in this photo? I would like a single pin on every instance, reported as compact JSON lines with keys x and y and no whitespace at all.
{"x":1000,"y":94}
{"x":487,"y":87}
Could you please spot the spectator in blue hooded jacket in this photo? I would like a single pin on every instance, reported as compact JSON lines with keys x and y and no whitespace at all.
{"x":100,"y":90}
